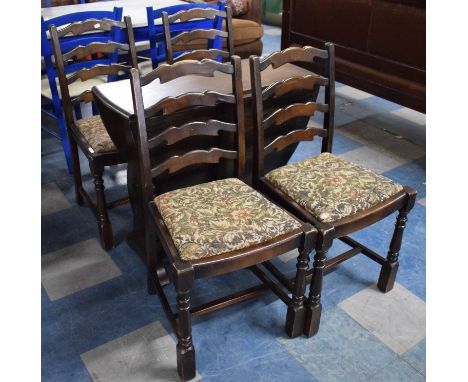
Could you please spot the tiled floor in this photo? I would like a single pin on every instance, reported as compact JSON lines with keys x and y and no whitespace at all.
{"x":98,"y":322}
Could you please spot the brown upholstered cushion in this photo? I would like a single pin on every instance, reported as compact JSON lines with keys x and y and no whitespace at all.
{"x":213,"y":218}
{"x":331,"y":188}
{"x":95,"y":133}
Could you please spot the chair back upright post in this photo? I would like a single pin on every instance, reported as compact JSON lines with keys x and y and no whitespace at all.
{"x":271,"y":123}
{"x":151,"y":163}
{"x":69,"y":55}
{"x":213,"y":35}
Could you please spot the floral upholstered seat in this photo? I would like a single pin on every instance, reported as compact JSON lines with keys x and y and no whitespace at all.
{"x":331,"y":188}
{"x":221,"y":216}
{"x":95,"y":133}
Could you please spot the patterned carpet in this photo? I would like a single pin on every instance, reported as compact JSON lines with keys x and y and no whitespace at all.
{"x":99,"y":324}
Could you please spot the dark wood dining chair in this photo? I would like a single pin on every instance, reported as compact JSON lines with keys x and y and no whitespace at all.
{"x":210,"y":228}
{"x":83,"y":59}
{"x":177,"y":39}
{"x":336,"y":196}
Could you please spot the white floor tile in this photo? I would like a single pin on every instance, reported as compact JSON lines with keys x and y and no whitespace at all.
{"x":75,"y":268}
{"x":397,"y":318}
{"x":146,"y":354}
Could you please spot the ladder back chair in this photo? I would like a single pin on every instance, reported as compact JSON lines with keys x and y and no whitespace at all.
{"x":337,"y":197}
{"x":50,"y":92}
{"x":215,"y":227}
{"x":82,"y":60}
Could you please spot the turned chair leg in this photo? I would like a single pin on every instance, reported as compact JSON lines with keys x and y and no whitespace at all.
{"x":390,"y":267}
{"x":185,"y":350}
{"x":296,"y":312}
{"x":313,"y":304}
{"x":104,"y":225}
{"x":76,"y":168}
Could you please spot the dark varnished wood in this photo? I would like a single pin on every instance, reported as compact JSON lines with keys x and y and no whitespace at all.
{"x":402,"y":201}
{"x":152,"y":165}
{"x":209,"y":35}
{"x":72,"y":109}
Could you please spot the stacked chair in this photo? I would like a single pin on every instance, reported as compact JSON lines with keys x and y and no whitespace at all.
{"x":87,"y":56}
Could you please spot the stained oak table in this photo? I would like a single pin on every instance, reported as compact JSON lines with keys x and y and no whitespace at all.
{"x":115,"y":105}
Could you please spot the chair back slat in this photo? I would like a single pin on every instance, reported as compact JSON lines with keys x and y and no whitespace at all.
{"x":177,"y":163}
{"x":288,"y":112}
{"x":82,"y":51}
{"x":175,"y":134}
{"x":86,"y":97}
{"x":284,"y":115}
{"x":165,"y":72}
{"x":97,"y":70}
{"x":173,"y":141}
{"x":280,"y":88}
{"x":294,"y":136}
{"x":208,"y":34}
{"x":78,"y":28}
{"x":293,"y":54}
{"x":196,"y":13}
{"x":201,"y":54}
{"x":172,"y":104}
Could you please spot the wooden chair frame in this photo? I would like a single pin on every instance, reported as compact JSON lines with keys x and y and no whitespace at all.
{"x":402,"y":201}
{"x":71,"y":106}
{"x":183,"y":273}
{"x":213,"y":36}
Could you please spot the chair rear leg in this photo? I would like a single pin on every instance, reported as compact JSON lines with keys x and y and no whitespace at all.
{"x":63,"y":133}
{"x":104,"y":225}
{"x":76,"y":170}
{"x":185,"y":350}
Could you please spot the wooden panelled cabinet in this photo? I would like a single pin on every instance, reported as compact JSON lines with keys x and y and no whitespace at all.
{"x":380,"y":44}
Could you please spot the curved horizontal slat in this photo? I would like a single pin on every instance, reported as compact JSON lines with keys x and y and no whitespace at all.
{"x":199,"y":54}
{"x":172,"y":104}
{"x":285,"y":86}
{"x":293,"y":54}
{"x":86,"y":96}
{"x":98,"y":70}
{"x":210,"y":34}
{"x":176,"y":163}
{"x":82,"y":51}
{"x":196,"y":13}
{"x":89,"y":25}
{"x":175,"y":134}
{"x":294,"y":136}
{"x":205,"y":68}
{"x":296,"y":110}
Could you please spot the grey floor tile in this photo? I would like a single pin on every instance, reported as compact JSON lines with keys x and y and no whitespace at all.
{"x":146,"y":354}
{"x":52,"y":199}
{"x":75,"y":268}
{"x":373,"y":159}
{"x":353,"y":93}
{"x":287,"y":257}
{"x":397,"y":318}
{"x":422,"y":202}
{"x":411,"y":115}
{"x":397,"y":371}
{"x":416,"y":357}
{"x":341,"y":350}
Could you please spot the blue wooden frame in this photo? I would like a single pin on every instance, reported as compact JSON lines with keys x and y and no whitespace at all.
{"x":156,"y":35}
{"x":68,"y":44}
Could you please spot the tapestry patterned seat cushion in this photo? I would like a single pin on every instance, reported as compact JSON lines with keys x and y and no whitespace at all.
{"x":331,"y":188}
{"x":217,"y":217}
{"x":95,"y":133}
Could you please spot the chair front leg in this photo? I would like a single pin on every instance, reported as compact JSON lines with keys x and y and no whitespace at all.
{"x":185,"y":350}
{"x":104,"y":225}
{"x":296,"y":312}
